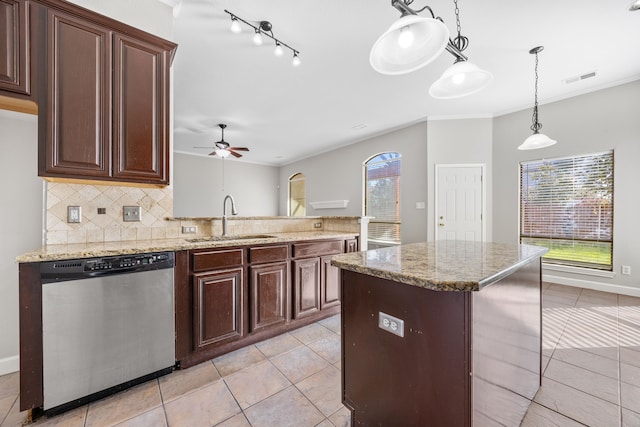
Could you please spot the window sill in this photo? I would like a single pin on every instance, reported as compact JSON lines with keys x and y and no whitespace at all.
{"x":578,"y":270}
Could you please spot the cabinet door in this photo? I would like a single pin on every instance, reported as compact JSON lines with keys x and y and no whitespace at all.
{"x":330,"y":283}
{"x":268,"y":295}
{"x":14,"y":49}
{"x":217,"y":307}
{"x":306,"y":287}
{"x":78,"y":107}
{"x":141,"y":112}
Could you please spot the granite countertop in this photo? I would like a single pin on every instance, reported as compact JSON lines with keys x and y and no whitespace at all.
{"x":253,"y":218}
{"x":441,"y":265}
{"x":87,"y":250}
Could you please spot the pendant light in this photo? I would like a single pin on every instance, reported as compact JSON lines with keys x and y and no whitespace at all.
{"x":537,"y":140}
{"x":410,"y":43}
{"x":463,"y":77}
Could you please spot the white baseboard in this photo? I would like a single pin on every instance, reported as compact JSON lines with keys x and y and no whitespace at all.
{"x":9,"y":365}
{"x":591,"y":284}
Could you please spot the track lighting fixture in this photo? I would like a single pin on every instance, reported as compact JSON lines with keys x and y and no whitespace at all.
{"x":414,"y":41}
{"x":263,"y":28}
{"x":537,"y":140}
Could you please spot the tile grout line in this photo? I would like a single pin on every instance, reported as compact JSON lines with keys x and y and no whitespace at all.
{"x":619,"y":362}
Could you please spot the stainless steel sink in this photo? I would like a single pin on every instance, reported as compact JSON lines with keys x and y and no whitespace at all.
{"x":223,"y":238}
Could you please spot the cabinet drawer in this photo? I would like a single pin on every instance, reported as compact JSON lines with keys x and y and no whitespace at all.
{"x":318,"y":248}
{"x":268,"y":254}
{"x":212,"y":260}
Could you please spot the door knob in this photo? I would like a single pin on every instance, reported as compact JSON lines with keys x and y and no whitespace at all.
{"x":441,"y":224}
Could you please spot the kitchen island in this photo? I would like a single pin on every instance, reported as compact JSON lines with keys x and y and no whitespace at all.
{"x":441,"y":333}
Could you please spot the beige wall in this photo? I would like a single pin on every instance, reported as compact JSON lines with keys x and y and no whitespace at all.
{"x":201,"y":183}
{"x":459,"y":142}
{"x":598,"y":121}
{"x":338,"y":175}
{"x":20,"y":220}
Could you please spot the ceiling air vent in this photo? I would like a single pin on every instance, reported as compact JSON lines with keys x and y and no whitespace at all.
{"x":579,"y":78}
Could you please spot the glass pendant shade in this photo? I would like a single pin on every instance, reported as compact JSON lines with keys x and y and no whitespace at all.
{"x":257,"y":39}
{"x":461,"y":79}
{"x":235,"y":26}
{"x":535,"y":141}
{"x":222,"y":153}
{"x":409,"y":44}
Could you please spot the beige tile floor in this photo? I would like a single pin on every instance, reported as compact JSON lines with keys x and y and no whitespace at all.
{"x":591,"y":360}
{"x":591,"y":348}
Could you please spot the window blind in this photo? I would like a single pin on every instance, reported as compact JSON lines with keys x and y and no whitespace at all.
{"x":382,"y":197}
{"x":566,"y":204}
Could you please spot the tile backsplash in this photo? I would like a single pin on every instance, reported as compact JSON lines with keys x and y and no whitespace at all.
{"x":157,"y":220}
{"x":156,"y":204}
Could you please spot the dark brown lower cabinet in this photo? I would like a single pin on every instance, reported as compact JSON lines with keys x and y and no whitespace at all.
{"x":228,"y":298}
{"x":218,"y":307}
{"x":329,"y":283}
{"x":268,"y":295}
{"x":306,"y":287}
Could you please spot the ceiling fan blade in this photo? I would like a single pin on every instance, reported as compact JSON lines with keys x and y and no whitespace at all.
{"x":205,"y":147}
{"x":213,"y":153}
{"x":234,"y":154}
{"x":238,"y":148}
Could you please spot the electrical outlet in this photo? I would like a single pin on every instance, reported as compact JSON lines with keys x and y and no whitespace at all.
{"x":420,"y":205}
{"x":74,"y":214}
{"x":189,"y":229}
{"x":131,"y":213}
{"x":317,"y":225}
{"x":391,"y":324}
{"x":626,"y":269}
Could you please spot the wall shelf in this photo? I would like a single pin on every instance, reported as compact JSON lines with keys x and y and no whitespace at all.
{"x":330,"y":204}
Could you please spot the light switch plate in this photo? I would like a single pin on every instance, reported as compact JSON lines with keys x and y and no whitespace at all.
{"x":131,"y":213}
{"x":74,"y":214}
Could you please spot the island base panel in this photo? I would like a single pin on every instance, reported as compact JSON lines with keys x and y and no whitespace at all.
{"x":506,"y":346}
{"x":418,"y":380}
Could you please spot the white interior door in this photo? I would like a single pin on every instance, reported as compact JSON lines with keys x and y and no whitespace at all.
{"x":459,"y":202}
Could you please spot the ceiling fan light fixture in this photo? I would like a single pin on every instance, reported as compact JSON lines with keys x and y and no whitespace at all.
{"x":460,"y":79}
{"x":410,"y":43}
{"x":222,"y":153}
{"x":634,"y":6}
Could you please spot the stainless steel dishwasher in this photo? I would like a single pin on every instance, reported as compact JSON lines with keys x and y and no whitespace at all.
{"x":107,"y":323}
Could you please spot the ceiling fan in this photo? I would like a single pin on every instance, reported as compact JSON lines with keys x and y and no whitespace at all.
{"x":222,"y":148}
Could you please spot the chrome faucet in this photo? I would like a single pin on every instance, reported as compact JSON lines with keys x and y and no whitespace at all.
{"x":224,"y":212}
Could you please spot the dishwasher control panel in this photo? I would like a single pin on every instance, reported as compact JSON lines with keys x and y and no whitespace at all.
{"x":57,"y":271}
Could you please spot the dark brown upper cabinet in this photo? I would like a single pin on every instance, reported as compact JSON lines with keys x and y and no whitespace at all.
{"x":14,"y":47}
{"x":77,"y":141}
{"x":106,"y":102}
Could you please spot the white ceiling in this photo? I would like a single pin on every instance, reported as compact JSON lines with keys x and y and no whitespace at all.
{"x":285,"y":113}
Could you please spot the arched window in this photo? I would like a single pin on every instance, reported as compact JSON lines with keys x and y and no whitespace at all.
{"x":382,"y":198}
{"x":297,"y":198}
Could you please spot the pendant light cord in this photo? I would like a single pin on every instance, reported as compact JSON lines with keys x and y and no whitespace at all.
{"x":535,"y":126}
{"x":460,"y":41}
